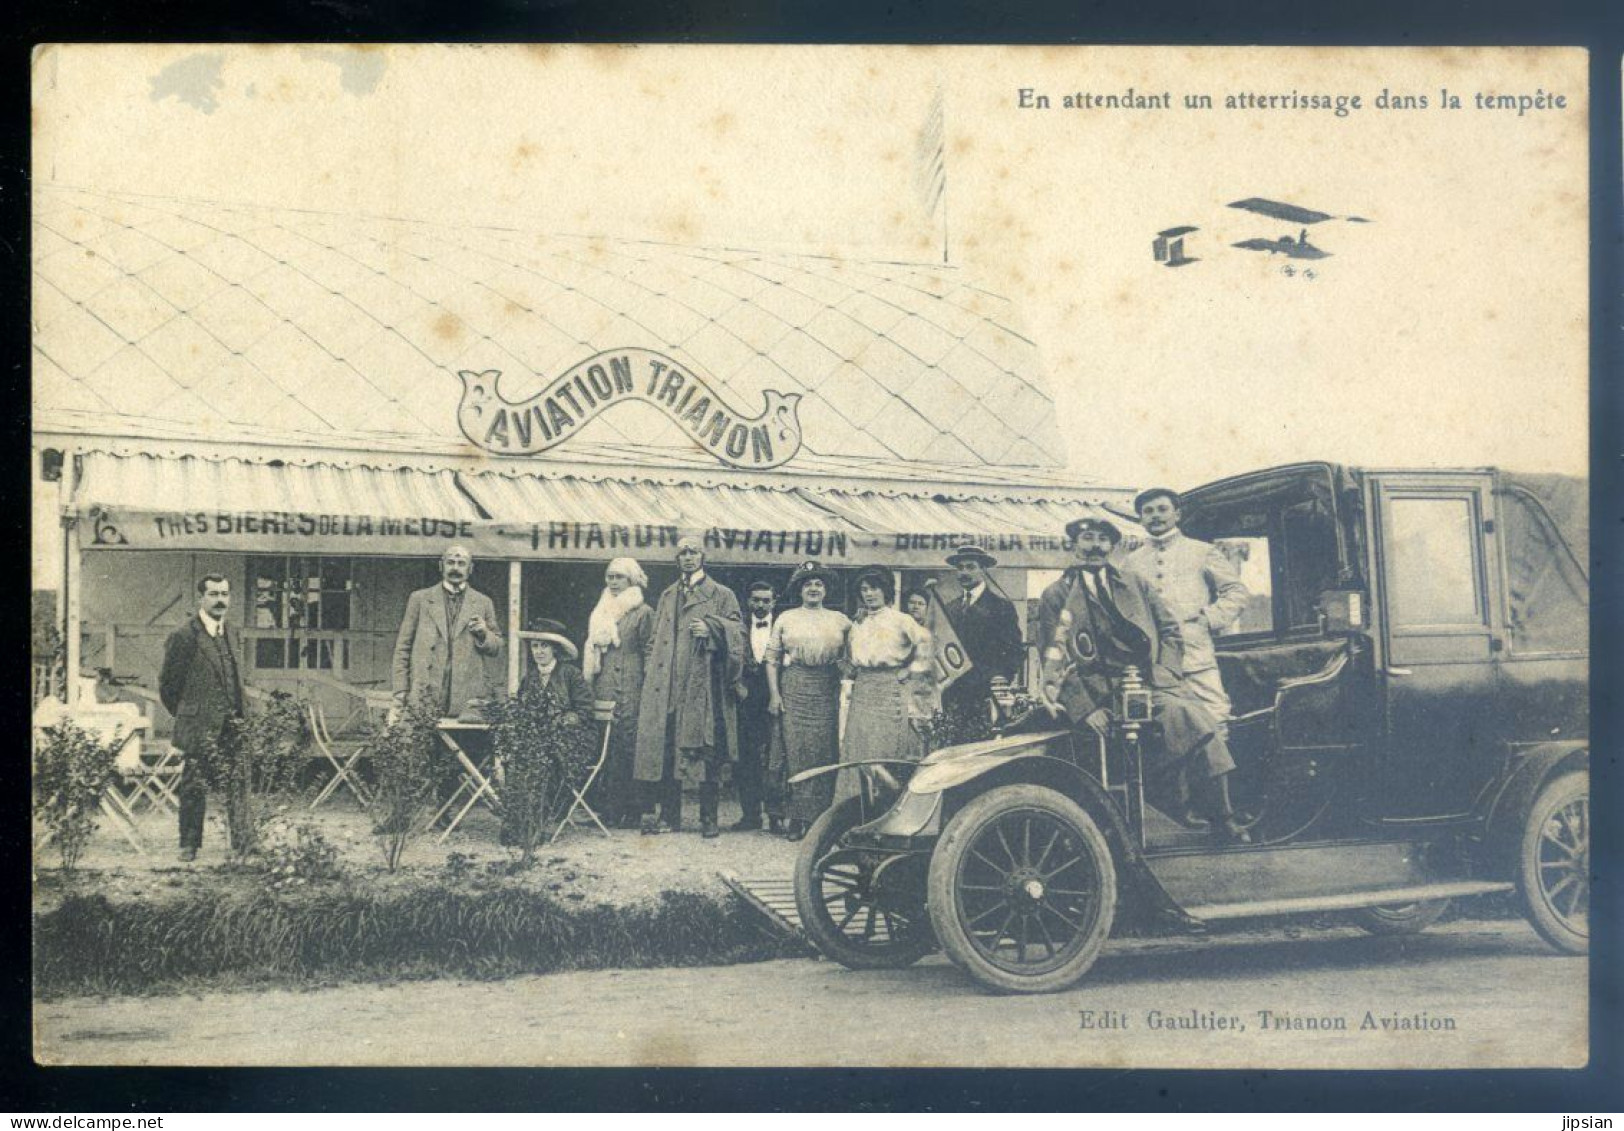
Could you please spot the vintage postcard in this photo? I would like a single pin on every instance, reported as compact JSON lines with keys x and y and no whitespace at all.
{"x":810,"y":556}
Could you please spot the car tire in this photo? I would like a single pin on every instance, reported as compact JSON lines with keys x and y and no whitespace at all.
{"x":841,"y":910}
{"x":1553,"y":863}
{"x":1400,"y":918}
{"x":1003,"y":860}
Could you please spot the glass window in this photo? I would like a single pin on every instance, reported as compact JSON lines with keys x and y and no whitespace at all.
{"x":1250,"y":557}
{"x":295,"y":599}
{"x":1431,"y":555}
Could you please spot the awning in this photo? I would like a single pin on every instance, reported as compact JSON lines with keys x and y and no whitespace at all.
{"x":579,"y":518}
{"x":155,"y":502}
{"x":534,"y":498}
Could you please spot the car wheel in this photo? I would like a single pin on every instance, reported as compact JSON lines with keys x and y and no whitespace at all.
{"x":1401,"y":918}
{"x":855,"y":905}
{"x":1553,"y":865}
{"x":1023,"y":890}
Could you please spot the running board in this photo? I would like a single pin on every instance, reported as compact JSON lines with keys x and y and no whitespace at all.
{"x":1346,"y":901}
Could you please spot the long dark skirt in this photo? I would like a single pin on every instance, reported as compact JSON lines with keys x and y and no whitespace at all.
{"x":877,"y":725}
{"x":805,"y":736}
{"x":614,"y":787}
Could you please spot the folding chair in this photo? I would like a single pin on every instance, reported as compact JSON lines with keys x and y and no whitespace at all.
{"x":154,"y":781}
{"x":120,"y":722}
{"x":344,"y":766}
{"x":603,"y":711}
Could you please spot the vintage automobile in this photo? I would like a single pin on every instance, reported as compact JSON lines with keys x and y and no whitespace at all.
{"x":1410,"y":687}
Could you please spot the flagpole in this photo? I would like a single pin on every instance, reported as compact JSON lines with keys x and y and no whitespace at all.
{"x":944,"y":181}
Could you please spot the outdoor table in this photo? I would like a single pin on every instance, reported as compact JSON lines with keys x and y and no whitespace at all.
{"x":476,"y":776}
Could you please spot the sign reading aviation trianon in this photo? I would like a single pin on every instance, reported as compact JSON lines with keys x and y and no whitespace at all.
{"x":598,"y":384}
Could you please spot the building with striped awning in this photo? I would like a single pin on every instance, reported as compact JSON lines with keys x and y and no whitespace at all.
{"x":318,"y":405}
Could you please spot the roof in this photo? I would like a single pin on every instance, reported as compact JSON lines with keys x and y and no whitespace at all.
{"x":175,"y":319}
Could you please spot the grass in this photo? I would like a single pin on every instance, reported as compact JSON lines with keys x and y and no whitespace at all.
{"x":88,"y":944}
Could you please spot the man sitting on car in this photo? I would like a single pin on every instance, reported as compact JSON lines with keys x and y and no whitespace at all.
{"x":1095,"y":622}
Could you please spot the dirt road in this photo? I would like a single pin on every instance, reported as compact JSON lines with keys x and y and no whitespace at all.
{"x":1465,"y":994}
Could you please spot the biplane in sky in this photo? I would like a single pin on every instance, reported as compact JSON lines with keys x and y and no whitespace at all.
{"x":1295,"y":248}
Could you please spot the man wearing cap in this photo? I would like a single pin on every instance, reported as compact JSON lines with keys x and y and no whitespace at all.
{"x":687,"y":729}
{"x":1094,"y":623}
{"x":987,"y":627}
{"x":1199,"y":584}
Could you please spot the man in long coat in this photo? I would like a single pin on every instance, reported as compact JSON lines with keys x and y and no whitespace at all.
{"x":1199,"y":584}
{"x":1094,"y":623}
{"x":201,"y":687}
{"x":445,"y":637}
{"x":687,"y":727}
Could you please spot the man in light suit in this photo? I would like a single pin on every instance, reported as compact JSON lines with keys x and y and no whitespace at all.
{"x":447,"y":634}
{"x":1199,"y":584}
{"x":201,"y":687}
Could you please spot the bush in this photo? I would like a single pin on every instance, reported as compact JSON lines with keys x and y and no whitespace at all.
{"x":72,"y":767}
{"x":295,"y":853}
{"x":90,"y":944}
{"x":403,"y":758}
{"x":545,"y":752}
{"x":256,"y":764}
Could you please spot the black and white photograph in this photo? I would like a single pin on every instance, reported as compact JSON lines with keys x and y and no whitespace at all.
{"x":753,"y":556}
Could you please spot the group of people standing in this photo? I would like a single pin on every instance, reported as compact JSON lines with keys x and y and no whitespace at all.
{"x":756,"y":700}
{"x":704,"y":692}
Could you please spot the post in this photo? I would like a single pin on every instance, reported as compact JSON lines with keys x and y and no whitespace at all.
{"x":70,"y":579}
{"x":515,"y":610}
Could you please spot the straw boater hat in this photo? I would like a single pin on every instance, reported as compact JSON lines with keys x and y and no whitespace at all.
{"x":971,"y":552}
{"x":808,"y":571}
{"x":1098,"y":525}
{"x":540,"y":628}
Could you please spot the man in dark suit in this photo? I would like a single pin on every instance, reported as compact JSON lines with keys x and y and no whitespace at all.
{"x":201,"y":687}
{"x":1097,"y":621}
{"x":754,"y":722}
{"x":988,"y":629}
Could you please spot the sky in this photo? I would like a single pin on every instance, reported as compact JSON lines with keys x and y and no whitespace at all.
{"x":1448,"y":330}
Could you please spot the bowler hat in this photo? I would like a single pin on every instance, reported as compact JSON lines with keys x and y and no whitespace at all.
{"x":540,"y":628}
{"x":1098,"y":525}
{"x":971,"y":552}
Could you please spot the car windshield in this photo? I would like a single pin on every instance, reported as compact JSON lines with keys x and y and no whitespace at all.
{"x":1281,"y":534}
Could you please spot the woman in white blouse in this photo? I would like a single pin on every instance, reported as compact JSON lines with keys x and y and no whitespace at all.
{"x":893,"y":684}
{"x":803,"y":697}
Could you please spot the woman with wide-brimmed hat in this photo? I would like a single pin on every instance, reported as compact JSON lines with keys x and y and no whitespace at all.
{"x":616,"y":636}
{"x":552,"y":672}
{"x":893,"y":683}
{"x":803,"y":698}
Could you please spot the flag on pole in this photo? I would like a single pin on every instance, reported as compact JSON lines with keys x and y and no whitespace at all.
{"x":930,"y":165}
{"x":947,"y":650}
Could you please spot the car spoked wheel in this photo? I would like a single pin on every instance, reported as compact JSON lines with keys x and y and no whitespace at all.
{"x":1553,"y":875}
{"x":862,"y":908}
{"x":1023,"y":889}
